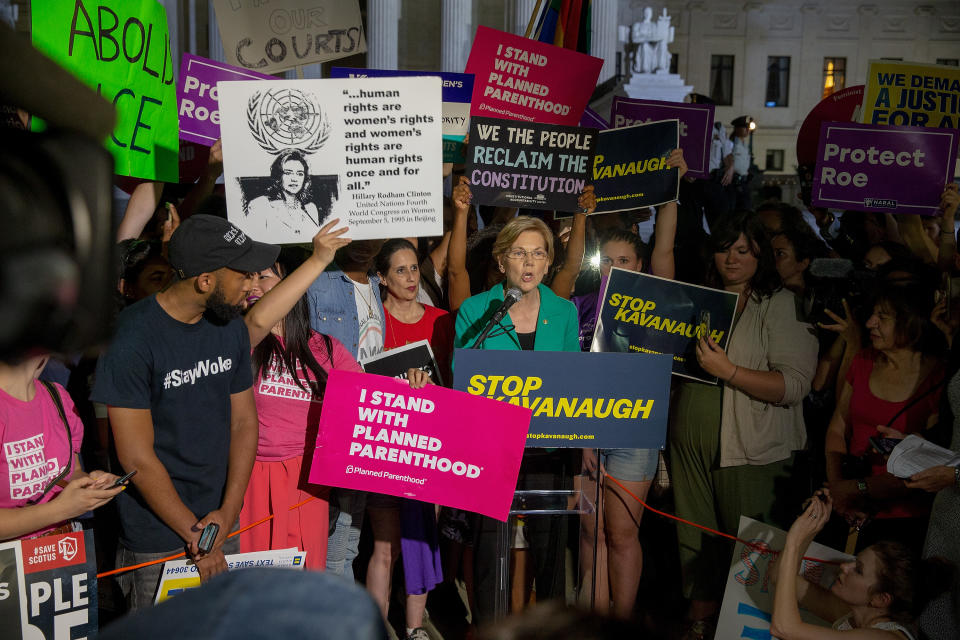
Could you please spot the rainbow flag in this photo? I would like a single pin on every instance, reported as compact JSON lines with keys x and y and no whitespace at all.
{"x":565,"y":23}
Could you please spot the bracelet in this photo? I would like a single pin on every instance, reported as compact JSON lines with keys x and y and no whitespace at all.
{"x":734,"y":375}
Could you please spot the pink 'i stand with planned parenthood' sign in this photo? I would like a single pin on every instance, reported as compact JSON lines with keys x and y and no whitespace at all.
{"x":432,"y":444}
{"x":885,"y":169}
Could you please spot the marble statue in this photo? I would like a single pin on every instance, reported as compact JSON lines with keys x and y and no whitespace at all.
{"x":649,"y":41}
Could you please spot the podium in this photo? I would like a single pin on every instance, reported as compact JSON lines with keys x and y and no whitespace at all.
{"x":535,"y":503}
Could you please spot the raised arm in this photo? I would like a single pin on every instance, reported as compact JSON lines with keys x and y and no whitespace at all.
{"x":207,"y":181}
{"x":665,"y":229}
{"x":565,"y":278}
{"x":949,"y":200}
{"x":143,"y":202}
{"x":786,"y":622}
{"x":277,"y":302}
{"x":458,"y":280}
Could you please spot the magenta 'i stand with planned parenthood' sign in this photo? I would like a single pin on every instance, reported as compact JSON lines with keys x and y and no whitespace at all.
{"x":883,"y":169}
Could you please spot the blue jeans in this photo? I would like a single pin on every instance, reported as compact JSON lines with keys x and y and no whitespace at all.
{"x":256,"y":604}
{"x":343,"y":544}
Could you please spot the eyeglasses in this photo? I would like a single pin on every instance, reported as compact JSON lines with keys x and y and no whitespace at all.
{"x":539,"y":255}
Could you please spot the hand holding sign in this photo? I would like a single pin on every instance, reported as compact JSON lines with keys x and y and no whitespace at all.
{"x":588,"y":200}
{"x":675,"y":160}
{"x":461,"y":195}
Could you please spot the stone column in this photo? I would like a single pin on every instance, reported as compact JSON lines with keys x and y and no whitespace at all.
{"x":518,"y":15}
{"x":604,"y":42}
{"x":173,"y":25}
{"x":383,"y":17}
{"x":456,"y":34}
{"x":213,"y":35}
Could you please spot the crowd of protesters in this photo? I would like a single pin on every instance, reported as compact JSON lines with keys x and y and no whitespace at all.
{"x":843,"y":334}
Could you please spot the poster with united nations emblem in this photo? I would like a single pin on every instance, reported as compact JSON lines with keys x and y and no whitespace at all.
{"x":302,"y":152}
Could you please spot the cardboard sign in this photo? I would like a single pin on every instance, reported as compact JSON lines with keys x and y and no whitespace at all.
{"x":274,"y":36}
{"x":199,"y":110}
{"x":396,"y":362}
{"x":912,"y":94}
{"x":885,"y":169}
{"x":431,"y":444}
{"x":535,"y":166}
{"x":521,"y":79}
{"x":299,"y":152}
{"x":181,"y":575}
{"x":120,"y":48}
{"x":695,"y":125}
{"x":608,"y":400}
{"x":630,"y":169}
{"x":457,"y":90}
{"x":48,"y":587}
{"x":641,"y":313}
{"x":748,"y":597}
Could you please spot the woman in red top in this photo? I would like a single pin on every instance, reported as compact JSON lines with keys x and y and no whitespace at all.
{"x":407,"y":319}
{"x":396,"y":523}
{"x":896,"y":383}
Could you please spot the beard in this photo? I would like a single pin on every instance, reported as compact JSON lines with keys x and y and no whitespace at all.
{"x":218,"y":310}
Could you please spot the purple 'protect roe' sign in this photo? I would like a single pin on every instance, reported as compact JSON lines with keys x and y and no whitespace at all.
{"x":197,"y":96}
{"x":696,"y":125}
{"x":885,"y":169}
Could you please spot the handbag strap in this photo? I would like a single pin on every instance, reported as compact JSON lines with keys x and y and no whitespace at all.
{"x":915,"y":400}
{"x":58,"y":402}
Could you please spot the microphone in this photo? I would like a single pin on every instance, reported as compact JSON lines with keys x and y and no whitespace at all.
{"x":510,"y":298}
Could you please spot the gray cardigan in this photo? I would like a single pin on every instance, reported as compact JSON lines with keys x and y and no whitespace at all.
{"x":770,"y":335}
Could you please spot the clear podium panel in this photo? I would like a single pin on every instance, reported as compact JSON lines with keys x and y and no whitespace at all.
{"x":529,"y":504}
{"x":552,"y":502}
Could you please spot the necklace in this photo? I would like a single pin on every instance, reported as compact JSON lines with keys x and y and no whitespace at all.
{"x":366,"y":301}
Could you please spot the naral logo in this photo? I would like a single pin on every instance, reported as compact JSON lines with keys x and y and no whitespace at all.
{"x":880,"y":203}
{"x":67,"y":548}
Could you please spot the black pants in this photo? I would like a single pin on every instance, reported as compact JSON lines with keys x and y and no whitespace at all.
{"x":546,"y":536}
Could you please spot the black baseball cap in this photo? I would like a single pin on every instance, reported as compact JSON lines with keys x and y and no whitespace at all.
{"x":203,"y":243}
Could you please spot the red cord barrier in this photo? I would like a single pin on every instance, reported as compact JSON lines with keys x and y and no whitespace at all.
{"x":763,"y":550}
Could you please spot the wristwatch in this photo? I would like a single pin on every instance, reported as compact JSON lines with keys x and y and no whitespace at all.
{"x":956,"y":477}
{"x":862,"y":486}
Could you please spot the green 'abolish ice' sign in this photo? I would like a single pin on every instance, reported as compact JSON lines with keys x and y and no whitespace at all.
{"x":121,"y":48}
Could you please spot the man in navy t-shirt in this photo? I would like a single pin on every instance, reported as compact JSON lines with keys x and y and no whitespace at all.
{"x":177,"y":381}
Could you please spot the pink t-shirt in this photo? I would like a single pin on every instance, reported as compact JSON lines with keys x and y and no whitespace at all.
{"x":35,"y":445}
{"x":289,"y":415}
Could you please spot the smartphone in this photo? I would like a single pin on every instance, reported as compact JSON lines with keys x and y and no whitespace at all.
{"x":883,"y":445}
{"x":208,"y":537}
{"x":705,"y":322}
{"x":125,"y":479}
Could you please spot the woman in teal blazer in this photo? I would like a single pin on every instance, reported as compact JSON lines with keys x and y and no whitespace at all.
{"x":540,"y":321}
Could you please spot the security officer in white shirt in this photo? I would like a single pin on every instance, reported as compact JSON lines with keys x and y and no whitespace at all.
{"x":737,"y":173}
